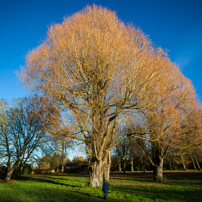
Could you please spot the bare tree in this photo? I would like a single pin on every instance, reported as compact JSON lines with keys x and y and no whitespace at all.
{"x":93,"y":64}
{"x":60,"y":144}
{"x":122,"y":149}
{"x":166,"y":102}
{"x":22,"y":132}
{"x":191,"y":137}
{"x":5,"y":149}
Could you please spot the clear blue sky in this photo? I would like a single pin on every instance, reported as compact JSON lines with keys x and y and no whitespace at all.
{"x":175,"y":25}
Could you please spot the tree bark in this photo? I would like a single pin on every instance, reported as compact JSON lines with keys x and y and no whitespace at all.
{"x":124,"y":165}
{"x":143,"y":162}
{"x":158,"y":171}
{"x":20,"y":168}
{"x":120,"y":164}
{"x":106,"y":166}
{"x":193,"y":161}
{"x":63,"y":157}
{"x":8,"y":175}
{"x":131,"y":162}
{"x":199,"y":168}
{"x":96,"y":174}
{"x":63,"y":166}
{"x":158,"y":164}
{"x":9,"y":172}
{"x":170,"y":165}
{"x":182,"y":158}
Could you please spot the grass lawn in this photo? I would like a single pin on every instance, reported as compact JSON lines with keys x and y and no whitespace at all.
{"x":132,"y":186}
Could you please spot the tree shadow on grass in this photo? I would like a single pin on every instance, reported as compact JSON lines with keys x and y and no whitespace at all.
{"x":49,"y":180}
{"x":61,"y":196}
{"x":84,"y":174}
{"x":51,"y":193}
{"x":140,"y":176}
{"x":61,"y":176}
{"x":183,"y":178}
{"x":170,"y":178}
{"x":44,"y":180}
{"x":159,"y":193}
{"x":68,"y":185}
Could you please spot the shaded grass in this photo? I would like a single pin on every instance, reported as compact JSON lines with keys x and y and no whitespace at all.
{"x":132,"y":186}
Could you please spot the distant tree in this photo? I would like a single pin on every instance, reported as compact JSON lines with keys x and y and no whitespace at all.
{"x":55,"y":161}
{"x":60,"y":143}
{"x":122,"y":149}
{"x":44,"y":161}
{"x":78,"y":160}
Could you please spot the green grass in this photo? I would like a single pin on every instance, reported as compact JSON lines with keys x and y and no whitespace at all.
{"x":136,"y":186}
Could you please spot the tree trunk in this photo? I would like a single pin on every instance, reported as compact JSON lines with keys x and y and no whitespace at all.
{"x":62,"y":156}
{"x":106,"y":167}
{"x":124,"y":165}
{"x":170,"y":165}
{"x":158,"y":165}
{"x":131,"y":163}
{"x":9,"y":173}
{"x":20,"y":168}
{"x":158,"y":171}
{"x":63,"y":166}
{"x":96,"y":174}
{"x":199,"y":168}
{"x":182,"y":158}
{"x":120,"y":164}
{"x":143,"y":162}
{"x":193,"y":161}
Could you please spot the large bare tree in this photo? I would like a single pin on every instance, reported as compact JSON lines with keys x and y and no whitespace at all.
{"x":92,"y":63}
{"x":97,"y":68}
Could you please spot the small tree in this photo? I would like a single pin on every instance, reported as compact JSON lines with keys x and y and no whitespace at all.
{"x":60,"y":144}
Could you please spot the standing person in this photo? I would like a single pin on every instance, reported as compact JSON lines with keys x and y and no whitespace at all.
{"x":105,"y":189}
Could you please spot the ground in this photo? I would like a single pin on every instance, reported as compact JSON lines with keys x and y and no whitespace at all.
{"x":133,"y":186}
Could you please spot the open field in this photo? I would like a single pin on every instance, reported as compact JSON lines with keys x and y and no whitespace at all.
{"x":132,"y":186}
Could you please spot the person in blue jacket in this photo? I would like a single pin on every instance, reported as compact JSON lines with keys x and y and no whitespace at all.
{"x":105,"y":189}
